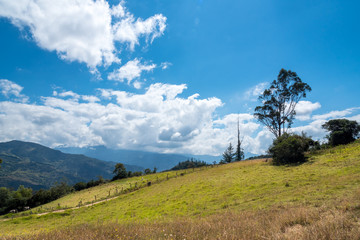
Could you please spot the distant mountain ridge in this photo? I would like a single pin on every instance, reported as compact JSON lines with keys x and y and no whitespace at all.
{"x":37,"y":166}
{"x":162,"y":161}
{"x":132,"y":157}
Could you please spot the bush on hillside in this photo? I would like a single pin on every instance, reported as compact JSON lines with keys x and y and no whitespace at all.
{"x":342,"y":131}
{"x":290,"y":149}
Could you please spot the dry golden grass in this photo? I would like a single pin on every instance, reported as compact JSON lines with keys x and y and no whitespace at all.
{"x":287,"y":223}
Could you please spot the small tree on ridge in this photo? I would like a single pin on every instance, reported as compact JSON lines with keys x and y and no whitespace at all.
{"x":120,"y":171}
{"x":228,"y":155}
{"x":279,"y":102}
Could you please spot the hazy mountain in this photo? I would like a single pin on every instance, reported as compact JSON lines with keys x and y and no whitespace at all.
{"x":139,"y":158}
{"x":37,"y":166}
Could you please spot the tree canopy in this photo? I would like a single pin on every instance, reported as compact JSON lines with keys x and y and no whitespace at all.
{"x":342,"y":131}
{"x":277,"y":111}
{"x":190,"y":163}
{"x":120,"y":171}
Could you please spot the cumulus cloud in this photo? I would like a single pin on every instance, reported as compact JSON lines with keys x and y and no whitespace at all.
{"x":44,"y":124}
{"x":304,"y":109}
{"x":10,"y":89}
{"x":314,"y":129}
{"x":76,"y":30}
{"x":130,"y":71}
{"x":157,"y":120}
{"x":83,"y":30}
{"x":161,"y":119}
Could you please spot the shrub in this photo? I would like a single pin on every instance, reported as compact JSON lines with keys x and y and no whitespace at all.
{"x":342,"y":131}
{"x":289,"y":149}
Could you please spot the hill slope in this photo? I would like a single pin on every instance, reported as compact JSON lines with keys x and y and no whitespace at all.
{"x":36,"y":166}
{"x":302,"y":196}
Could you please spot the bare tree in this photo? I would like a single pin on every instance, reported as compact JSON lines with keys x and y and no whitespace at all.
{"x":239,"y":153}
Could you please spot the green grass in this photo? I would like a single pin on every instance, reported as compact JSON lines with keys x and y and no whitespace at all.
{"x":328,"y":176}
{"x":109,"y":190}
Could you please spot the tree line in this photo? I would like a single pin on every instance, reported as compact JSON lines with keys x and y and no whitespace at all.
{"x":24,"y":198}
{"x":190,"y":163}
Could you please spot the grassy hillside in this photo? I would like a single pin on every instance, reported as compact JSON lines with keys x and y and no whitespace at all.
{"x":318,"y":197}
{"x":106,"y":191}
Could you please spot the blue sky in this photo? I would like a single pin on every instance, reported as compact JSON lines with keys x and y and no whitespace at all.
{"x":170,"y":76}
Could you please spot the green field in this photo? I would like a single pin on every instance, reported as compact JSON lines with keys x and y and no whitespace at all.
{"x":106,"y":191}
{"x":330,"y":180}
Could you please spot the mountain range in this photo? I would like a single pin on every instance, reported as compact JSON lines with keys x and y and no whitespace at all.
{"x":37,"y":166}
{"x":132,"y":157}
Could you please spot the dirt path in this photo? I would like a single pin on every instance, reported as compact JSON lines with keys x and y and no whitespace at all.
{"x":88,"y":205}
{"x":63,"y":210}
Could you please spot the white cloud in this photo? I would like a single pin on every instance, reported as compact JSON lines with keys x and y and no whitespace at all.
{"x":130,"y":71}
{"x":128,"y":30}
{"x":11,"y":89}
{"x":77,"y":30}
{"x":43,"y":124}
{"x":158,"y":120}
{"x":137,"y":84}
{"x":119,"y":10}
{"x":165,"y":65}
{"x":91,"y":99}
{"x":335,"y":114}
{"x":355,"y":118}
{"x":75,"y":96}
{"x":68,"y":94}
{"x":82,"y":30}
{"x":304,"y":109}
{"x":253,"y":93}
{"x":313,"y":129}
{"x":161,"y":119}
